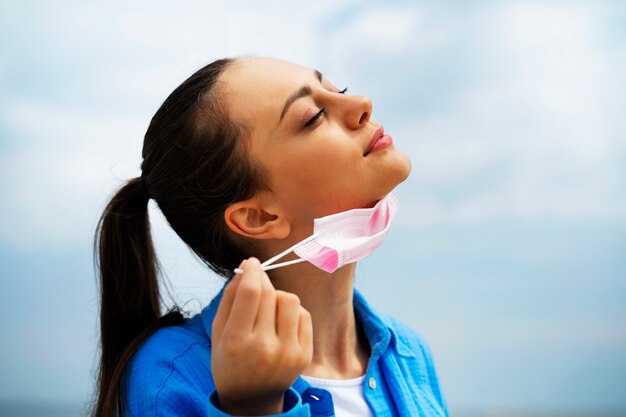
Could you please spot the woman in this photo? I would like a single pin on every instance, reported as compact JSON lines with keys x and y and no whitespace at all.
{"x":241,"y":159}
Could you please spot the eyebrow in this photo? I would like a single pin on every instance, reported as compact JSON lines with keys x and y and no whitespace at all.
{"x":302,"y":92}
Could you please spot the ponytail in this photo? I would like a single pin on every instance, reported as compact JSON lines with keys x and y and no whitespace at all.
{"x":130,"y":301}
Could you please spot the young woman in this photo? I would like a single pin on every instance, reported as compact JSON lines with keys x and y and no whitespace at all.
{"x":242,"y":159}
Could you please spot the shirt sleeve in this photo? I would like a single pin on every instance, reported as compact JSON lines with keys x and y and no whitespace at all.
{"x":293,"y":406}
{"x":179,"y":383}
{"x":176,"y":399}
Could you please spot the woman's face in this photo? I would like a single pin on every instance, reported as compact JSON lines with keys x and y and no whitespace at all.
{"x":313,"y":170}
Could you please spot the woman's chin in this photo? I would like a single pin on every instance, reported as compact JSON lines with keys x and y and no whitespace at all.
{"x":400,"y":172}
{"x":402,"y":167}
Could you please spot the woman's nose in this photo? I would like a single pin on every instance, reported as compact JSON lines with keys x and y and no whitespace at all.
{"x":359,"y":111}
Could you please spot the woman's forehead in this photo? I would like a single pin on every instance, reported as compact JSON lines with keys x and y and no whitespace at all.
{"x":261,"y":70}
{"x":256,"y":88}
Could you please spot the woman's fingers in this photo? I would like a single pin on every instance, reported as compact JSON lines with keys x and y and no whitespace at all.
{"x":251,"y":304}
{"x":247,"y":297}
{"x":266,"y":317}
{"x":287,"y":316}
{"x":305,"y":333}
{"x":226,"y":304}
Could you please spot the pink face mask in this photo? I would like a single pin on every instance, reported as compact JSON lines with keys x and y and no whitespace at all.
{"x":342,"y":238}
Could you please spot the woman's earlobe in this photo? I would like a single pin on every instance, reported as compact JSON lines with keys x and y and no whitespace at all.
{"x":245,"y":218}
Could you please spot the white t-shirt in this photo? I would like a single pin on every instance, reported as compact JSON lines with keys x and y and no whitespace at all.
{"x":347,"y":394}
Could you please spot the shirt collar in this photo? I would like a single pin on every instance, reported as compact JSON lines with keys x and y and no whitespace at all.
{"x":379,"y":328}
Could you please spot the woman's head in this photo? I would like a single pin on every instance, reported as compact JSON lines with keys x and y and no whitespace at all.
{"x":240,"y":167}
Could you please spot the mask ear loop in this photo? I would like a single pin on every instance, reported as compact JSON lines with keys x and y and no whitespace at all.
{"x":267,"y":265}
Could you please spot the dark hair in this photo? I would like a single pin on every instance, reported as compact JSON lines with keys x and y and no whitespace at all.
{"x":194,"y":166}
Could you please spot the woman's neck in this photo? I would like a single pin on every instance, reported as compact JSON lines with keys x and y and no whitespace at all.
{"x":340,"y":348}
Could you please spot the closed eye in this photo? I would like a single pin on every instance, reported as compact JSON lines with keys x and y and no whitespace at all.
{"x":313,"y":120}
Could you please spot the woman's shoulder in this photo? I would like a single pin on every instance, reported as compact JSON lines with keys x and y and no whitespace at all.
{"x":170,"y":361}
{"x":173,"y":342}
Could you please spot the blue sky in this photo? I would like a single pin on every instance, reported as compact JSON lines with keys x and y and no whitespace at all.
{"x":507,"y":253}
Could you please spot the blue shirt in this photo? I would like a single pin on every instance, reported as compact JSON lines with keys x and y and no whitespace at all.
{"x":170,"y":375}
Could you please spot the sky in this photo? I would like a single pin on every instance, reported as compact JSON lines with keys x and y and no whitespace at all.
{"x":507,"y":253}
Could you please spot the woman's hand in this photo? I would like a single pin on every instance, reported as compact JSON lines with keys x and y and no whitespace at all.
{"x":262,"y":341}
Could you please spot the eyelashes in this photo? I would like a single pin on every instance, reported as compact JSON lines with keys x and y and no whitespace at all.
{"x":313,"y":120}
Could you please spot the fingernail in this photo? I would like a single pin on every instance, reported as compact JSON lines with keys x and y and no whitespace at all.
{"x":254,"y":260}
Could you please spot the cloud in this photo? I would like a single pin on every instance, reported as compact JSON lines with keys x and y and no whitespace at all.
{"x":526,"y":122}
{"x":383,"y":30}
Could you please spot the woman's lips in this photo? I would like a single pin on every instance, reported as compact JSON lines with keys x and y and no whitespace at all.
{"x":379,"y":141}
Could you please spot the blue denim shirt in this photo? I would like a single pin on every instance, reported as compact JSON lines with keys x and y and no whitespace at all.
{"x":170,"y":375}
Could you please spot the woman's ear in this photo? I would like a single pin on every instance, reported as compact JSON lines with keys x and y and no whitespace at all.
{"x":249,"y":218}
